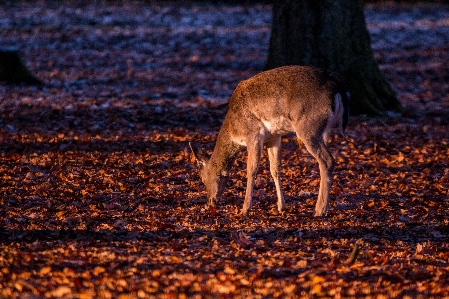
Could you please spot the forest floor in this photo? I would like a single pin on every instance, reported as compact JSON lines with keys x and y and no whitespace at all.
{"x":99,"y":197}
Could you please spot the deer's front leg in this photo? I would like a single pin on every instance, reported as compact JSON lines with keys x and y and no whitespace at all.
{"x":254,"y":152}
{"x":319,"y":150}
{"x":274,"y":155}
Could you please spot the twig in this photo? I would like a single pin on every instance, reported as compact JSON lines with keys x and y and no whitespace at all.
{"x":354,"y":254}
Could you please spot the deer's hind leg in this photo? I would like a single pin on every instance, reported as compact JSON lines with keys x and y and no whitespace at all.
{"x":274,"y":155}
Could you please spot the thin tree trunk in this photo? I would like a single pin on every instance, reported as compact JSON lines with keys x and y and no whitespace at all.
{"x":332,"y":35}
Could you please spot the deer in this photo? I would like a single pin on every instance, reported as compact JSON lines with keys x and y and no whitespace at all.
{"x":300,"y":99}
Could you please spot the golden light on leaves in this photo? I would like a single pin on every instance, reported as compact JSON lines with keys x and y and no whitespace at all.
{"x":100,"y":199}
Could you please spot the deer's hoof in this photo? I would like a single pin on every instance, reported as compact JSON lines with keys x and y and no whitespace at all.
{"x":245,"y":212}
{"x":281,"y":208}
{"x":212,"y":202}
{"x":320,"y":213}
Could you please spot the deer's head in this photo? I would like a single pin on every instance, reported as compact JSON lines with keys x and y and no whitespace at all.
{"x":214,"y":179}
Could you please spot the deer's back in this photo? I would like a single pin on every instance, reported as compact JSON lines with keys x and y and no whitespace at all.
{"x":291,"y":92}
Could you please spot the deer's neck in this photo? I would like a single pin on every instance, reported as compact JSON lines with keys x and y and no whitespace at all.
{"x":224,"y":152}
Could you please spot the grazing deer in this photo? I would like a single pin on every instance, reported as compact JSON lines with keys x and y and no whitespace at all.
{"x":299,"y":99}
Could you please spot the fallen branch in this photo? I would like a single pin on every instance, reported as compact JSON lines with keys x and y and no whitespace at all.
{"x":354,"y":254}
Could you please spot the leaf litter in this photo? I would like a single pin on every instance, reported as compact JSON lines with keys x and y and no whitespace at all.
{"x":100,"y":198}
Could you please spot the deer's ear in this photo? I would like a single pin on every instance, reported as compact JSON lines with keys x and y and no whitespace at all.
{"x":200,"y":155}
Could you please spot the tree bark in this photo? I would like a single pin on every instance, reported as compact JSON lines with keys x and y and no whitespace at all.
{"x":332,"y":35}
{"x":13,"y":71}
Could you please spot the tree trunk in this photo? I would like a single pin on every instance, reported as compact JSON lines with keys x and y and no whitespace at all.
{"x":13,"y":71}
{"x":332,"y":35}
